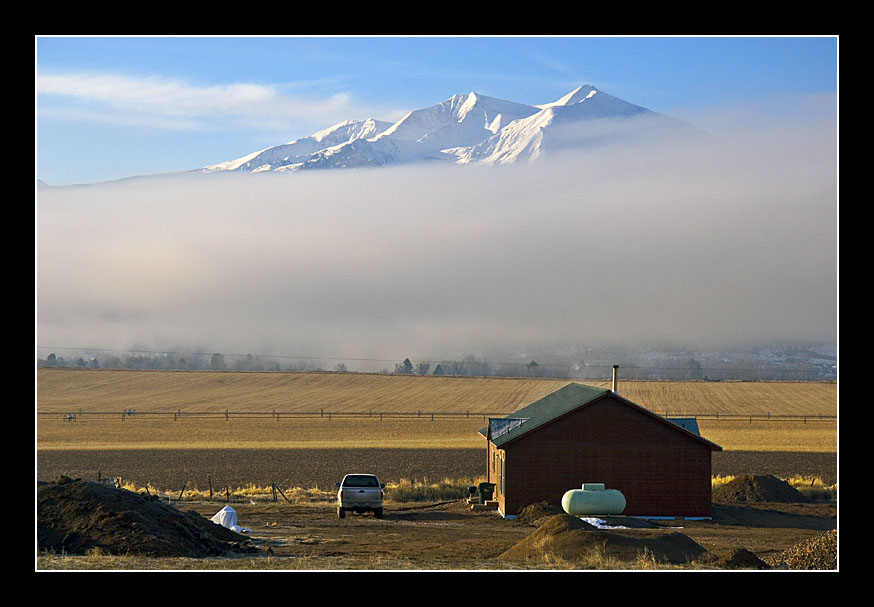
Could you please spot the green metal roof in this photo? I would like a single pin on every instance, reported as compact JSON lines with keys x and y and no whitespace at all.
{"x":541,"y":411}
{"x":502,"y":430}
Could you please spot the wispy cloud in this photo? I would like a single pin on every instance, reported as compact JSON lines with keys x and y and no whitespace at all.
{"x":167,"y":103}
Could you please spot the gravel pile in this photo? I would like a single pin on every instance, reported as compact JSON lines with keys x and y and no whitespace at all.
{"x":817,"y":553}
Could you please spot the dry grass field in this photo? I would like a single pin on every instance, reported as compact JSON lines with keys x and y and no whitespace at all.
{"x":254,"y":433}
{"x":71,"y":390}
{"x":344,"y":410}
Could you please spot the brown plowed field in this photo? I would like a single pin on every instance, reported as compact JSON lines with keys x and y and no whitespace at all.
{"x":173,"y":469}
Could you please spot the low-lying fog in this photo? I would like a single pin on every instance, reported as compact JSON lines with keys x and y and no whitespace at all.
{"x":730,"y":242}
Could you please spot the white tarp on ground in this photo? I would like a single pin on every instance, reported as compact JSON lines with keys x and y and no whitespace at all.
{"x":227,"y":517}
{"x":601,"y":523}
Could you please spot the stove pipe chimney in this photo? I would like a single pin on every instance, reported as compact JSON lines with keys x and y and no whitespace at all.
{"x":615,"y":376}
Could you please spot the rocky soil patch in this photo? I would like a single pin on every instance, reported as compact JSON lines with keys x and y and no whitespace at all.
{"x":755,"y":488}
{"x":77,"y":517}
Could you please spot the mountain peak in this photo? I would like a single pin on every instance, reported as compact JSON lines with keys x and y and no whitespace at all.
{"x":578,"y":95}
{"x":467,"y":127}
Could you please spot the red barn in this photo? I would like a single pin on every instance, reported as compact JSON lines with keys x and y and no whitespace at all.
{"x":581,"y":434}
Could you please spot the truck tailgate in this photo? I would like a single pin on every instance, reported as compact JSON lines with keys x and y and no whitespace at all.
{"x":360,"y":495}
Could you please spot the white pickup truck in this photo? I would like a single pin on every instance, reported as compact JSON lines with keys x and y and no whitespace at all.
{"x":360,"y":493}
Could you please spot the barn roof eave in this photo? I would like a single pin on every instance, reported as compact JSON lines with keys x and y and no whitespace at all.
{"x":522,"y":430}
{"x":713,"y":446}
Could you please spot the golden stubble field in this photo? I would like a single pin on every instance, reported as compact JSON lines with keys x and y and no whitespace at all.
{"x":90,"y":409}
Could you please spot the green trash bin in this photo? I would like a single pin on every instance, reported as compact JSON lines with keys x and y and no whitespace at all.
{"x":486,"y":492}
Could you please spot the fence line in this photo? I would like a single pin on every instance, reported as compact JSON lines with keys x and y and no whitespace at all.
{"x":227,"y":415}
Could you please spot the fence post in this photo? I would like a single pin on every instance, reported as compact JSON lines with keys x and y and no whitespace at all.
{"x":275,"y":488}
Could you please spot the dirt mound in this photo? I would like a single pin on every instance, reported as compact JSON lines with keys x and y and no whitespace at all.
{"x":741,"y":558}
{"x":560,"y":523}
{"x":752,"y":488}
{"x":573,"y":540}
{"x":820,"y":552}
{"x":533,"y":514}
{"x":76,"y":516}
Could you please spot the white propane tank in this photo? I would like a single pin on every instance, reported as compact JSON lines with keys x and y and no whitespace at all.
{"x":593,"y":498}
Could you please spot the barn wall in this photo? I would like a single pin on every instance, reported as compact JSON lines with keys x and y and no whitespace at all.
{"x":659,"y":470}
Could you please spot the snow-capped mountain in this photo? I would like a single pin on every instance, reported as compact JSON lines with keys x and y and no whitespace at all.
{"x":467,"y":128}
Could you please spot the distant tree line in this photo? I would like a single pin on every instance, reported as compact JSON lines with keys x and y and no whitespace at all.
{"x":472,"y":366}
{"x":177,"y":362}
{"x":668,"y":369}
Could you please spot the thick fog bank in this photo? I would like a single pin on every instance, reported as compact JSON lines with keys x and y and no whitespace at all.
{"x":727,"y":242}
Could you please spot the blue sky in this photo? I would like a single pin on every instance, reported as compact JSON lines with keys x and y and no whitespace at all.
{"x":114,"y":107}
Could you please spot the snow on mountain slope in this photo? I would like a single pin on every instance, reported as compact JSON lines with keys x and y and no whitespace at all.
{"x":297,"y":151}
{"x":459,"y":122}
{"x":470,"y":119}
{"x":464,"y":129}
{"x":575,"y":96}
